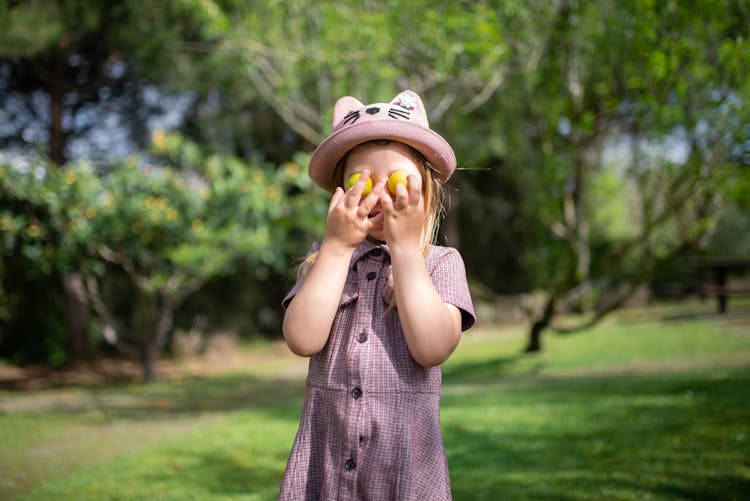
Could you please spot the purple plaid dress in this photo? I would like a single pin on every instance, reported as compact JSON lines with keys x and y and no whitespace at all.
{"x":370,"y":425}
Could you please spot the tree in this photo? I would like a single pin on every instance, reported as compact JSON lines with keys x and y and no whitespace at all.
{"x":663,"y":81}
{"x":163,"y":229}
{"x":69,"y":67}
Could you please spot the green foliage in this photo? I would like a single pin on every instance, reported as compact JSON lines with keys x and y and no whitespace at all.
{"x":168,"y":226}
{"x":29,"y":28}
{"x":300,"y":56}
{"x":222,"y":208}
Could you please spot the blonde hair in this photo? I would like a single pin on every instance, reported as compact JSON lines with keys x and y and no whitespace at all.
{"x":433,"y":191}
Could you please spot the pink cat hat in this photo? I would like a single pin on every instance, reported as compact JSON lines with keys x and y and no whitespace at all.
{"x":403,"y":119}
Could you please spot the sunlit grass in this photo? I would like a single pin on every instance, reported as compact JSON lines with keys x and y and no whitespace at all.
{"x":650,"y":405}
{"x":240,"y":457}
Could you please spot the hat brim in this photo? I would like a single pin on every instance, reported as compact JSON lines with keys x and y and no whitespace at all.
{"x":436,"y":150}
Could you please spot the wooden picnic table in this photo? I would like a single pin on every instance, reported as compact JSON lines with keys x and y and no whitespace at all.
{"x":717,"y":282}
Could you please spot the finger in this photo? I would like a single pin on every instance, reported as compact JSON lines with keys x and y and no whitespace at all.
{"x":402,"y":196}
{"x":367,"y":203}
{"x":415,"y":189}
{"x":386,"y":202}
{"x":338,"y":194}
{"x":355,"y":194}
{"x":376,"y":220}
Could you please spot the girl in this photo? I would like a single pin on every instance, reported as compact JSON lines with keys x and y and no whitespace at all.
{"x":378,"y":308}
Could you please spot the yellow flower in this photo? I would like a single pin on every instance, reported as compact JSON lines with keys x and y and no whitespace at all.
{"x":258,"y":176}
{"x":90,"y":213}
{"x":5,"y":223}
{"x":273,"y":193}
{"x":197,"y":225}
{"x":34,"y":231}
{"x":70,"y":177}
{"x":292,"y":169}
{"x":159,"y":140}
{"x":171,"y":214}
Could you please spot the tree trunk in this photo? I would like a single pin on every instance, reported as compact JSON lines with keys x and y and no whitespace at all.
{"x":153,"y":345}
{"x":56,"y":87}
{"x":75,"y":302}
{"x":75,"y":308}
{"x":148,"y":361}
{"x":538,"y":326}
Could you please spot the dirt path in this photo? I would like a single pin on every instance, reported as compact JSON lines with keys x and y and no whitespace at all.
{"x":107,"y":371}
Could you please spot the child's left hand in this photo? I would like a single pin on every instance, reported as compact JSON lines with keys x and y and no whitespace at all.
{"x":404,"y":214}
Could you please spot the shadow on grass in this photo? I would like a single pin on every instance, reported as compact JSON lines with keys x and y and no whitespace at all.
{"x":666,"y":437}
{"x":481,"y":371}
{"x":169,"y":400}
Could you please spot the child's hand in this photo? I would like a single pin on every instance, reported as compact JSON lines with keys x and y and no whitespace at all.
{"x":404,"y":216}
{"x":347,"y":222}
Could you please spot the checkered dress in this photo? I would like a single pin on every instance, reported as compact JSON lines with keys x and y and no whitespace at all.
{"x":370,"y":425}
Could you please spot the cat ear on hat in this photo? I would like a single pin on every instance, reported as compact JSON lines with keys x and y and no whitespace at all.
{"x":344,"y":106}
{"x":410,"y":100}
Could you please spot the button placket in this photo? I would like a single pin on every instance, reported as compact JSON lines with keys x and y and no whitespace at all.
{"x":368,"y":273}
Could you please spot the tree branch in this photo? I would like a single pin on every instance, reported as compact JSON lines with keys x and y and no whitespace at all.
{"x":118,"y":258}
{"x":284,"y":110}
{"x":112,"y":328}
{"x":489,"y":89}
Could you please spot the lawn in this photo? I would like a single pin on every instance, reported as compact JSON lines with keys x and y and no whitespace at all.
{"x":653,"y":404}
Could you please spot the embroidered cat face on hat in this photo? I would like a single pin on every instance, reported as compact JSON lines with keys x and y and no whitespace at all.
{"x":403,"y":119}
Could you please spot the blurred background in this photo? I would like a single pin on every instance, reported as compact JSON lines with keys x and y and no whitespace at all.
{"x":153,"y":158}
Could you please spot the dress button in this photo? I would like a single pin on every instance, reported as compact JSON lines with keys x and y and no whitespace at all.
{"x":377,"y":252}
{"x":362,"y":337}
{"x":371,"y":275}
{"x":349,"y":465}
{"x":357,"y":392}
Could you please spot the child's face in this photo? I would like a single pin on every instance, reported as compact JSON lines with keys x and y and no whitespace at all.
{"x":381,"y":160}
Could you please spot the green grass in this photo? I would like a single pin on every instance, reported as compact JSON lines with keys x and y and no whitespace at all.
{"x":653,"y":404}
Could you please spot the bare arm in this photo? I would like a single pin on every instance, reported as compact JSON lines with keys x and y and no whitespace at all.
{"x":432,"y":327}
{"x":309,"y":317}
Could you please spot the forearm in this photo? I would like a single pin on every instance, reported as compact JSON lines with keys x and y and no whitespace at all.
{"x":309,"y":317}
{"x":431,"y":327}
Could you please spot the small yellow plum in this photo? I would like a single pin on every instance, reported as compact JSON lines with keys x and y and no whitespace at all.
{"x":397,"y":177}
{"x":354,"y":178}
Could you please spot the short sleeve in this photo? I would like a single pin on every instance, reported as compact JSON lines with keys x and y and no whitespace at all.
{"x":448,"y":275}
{"x":300,"y":278}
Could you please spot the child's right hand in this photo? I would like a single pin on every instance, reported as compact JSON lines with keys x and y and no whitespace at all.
{"x":347,"y":223}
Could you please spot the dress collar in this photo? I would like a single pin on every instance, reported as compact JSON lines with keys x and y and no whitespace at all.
{"x":369,"y":247}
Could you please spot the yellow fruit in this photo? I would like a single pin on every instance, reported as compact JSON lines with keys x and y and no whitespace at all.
{"x":396,"y":178}
{"x":354,"y":178}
